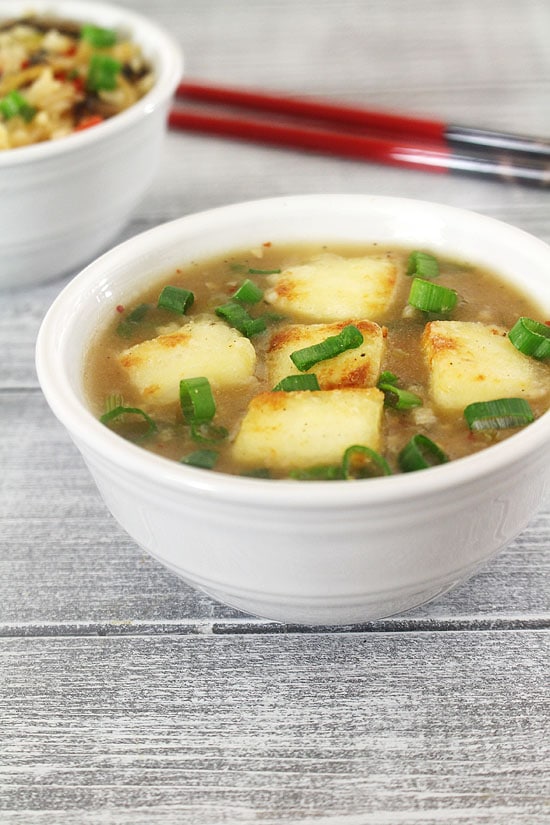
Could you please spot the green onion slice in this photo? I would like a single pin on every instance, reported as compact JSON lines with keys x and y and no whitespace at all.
{"x":248,"y":292}
{"x":423,"y":265}
{"x":201,"y":458}
{"x":14,"y":104}
{"x":102,"y":73}
{"x":431,"y":297}
{"x":531,"y":337}
{"x":273,"y":317}
{"x":398,"y":398}
{"x":196,"y":400}
{"x":175,"y":299}
{"x":259,"y":472}
{"x":98,"y":37}
{"x":138,"y":313}
{"x":237,"y":316}
{"x":252,"y":271}
{"x":321,"y":472}
{"x":420,"y":453}
{"x":348,"y":338}
{"x":206,"y":433}
{"x":388,"y":377}
{"x":394,"y":396}
{"x":119,"y":412}
{"x":362,"y":462}
{"x":254,"y":327}
{"x":127,"y":327}
{"x":498,"y":414}
{"x":308,"y":381}
{"x":112,"y":401}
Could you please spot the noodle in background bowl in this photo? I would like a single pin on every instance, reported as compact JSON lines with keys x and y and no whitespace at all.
{"x":63,"y":201}
{"x":318,"y":552}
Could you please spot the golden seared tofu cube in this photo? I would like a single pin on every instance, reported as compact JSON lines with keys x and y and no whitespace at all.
{"x":209,"y":349}
{"x":333,"y":288}
{"x":289,"y":430}
{"x":357,"y":367}
{"x":470,"y":362}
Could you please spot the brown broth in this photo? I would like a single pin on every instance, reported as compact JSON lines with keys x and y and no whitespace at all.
{"x":482,"y":297}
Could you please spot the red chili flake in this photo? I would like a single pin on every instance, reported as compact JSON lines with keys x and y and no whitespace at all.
{"x":86,"y":122}
{"x":267,"y":243}
{"x":71,"y":51}
{"x":78,"y":83}
{"x":547,"y":323}
{"x":120,"y":308}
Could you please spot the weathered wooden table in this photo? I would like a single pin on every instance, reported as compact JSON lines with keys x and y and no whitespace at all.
{"x":127,"y":697}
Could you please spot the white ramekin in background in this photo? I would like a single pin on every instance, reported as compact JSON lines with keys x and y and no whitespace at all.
{"x":63,"y":201}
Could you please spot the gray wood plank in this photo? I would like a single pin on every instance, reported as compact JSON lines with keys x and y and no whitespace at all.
{"x":348,"y":729}
{"x":63,"y":559}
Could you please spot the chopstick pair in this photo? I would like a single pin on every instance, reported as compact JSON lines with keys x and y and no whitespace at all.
{"x":362,"y":134}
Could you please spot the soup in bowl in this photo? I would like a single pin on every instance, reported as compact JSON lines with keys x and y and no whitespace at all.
{"x":275,"y":406}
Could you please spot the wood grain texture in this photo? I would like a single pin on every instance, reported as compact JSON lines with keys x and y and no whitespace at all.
{"x":129,"y":698}
{"x":293,"y":729}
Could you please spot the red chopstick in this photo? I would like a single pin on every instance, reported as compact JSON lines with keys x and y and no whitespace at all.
{"x":312,"y":109}
{"x":363,"y":134}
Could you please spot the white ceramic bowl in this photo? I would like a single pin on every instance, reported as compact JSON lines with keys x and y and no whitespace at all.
{"x":314,"y":552}
{"x":62,"y":202}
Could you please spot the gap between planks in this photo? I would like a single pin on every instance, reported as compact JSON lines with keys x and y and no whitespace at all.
{"x":258,"y":627}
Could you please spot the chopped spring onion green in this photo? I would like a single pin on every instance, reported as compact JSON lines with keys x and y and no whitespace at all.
{"x":127,"y":327}
{"x":273,"y":317}
{"x":261,"y":472}
{"x":201,"y":458}
{"x":362,"y":462}
{"x":423,"y":265}
{"x":398,"y":398}
{"x":358,"y":462}
{"x":237,"y":316}
{"x":112,"y":401}
{"x":98,"y":37}
{"x":252,"y":271}
{"x":322,"y":472}
{"x":206,"y":433}
{"x":308,"y":381}
{"x":348,"y":338}
{"x":431,"y":297}
{"x":120,"y":412}
{"x":394,"y":396}
{"x":176,"y":299}
{"x":196,"y":400}
{"x":498,"y":414}
{"x":420,"y":453}
{"x":387,"y":377}
{"x":102,"y":73}
{"x":531,"y":337}
{"x":14,"y":104}
{"x":248,"y":292}
{"x":254,"y":327}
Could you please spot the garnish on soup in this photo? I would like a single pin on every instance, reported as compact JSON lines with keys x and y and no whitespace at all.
{"x":300,"y":362}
